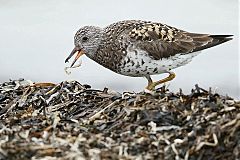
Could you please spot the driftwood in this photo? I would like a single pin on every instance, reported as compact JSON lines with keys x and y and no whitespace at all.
{"x":73,"y":121}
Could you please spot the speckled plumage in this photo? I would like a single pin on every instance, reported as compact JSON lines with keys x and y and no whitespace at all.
{"x":142,"y":48}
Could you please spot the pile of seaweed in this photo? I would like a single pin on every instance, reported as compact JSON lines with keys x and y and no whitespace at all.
{"x":72,"y":121}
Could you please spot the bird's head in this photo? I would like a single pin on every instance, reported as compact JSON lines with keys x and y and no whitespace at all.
{"x":86,"y":40}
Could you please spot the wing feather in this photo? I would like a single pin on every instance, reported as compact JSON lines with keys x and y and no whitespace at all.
{"x":162,"y":41}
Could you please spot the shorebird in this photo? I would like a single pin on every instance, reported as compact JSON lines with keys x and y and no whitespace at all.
{"x":141,"y":48}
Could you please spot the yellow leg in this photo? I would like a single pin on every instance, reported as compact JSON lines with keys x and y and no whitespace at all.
{"x":151,"y":85}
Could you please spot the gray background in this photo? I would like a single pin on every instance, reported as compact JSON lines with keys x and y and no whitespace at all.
{"x":37,"y":36}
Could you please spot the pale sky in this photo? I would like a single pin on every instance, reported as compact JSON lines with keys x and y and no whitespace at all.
{"x":37,"y":36}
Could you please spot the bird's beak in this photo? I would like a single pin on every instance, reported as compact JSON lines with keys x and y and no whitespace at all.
{"x":79,"y":53}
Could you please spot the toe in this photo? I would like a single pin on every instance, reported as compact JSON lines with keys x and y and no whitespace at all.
{"x":152,"y":92}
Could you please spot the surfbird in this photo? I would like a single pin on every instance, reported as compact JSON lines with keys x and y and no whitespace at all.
{"x":141,"y":48}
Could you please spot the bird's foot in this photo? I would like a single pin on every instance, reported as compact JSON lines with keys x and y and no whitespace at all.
{"x":148,"y":91}
{"x":151,"y":85}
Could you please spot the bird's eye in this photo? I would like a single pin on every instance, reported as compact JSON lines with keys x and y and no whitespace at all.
{"x":84,"y":39}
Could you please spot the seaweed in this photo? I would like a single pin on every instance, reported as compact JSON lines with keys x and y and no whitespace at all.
{"x":73,"y":121}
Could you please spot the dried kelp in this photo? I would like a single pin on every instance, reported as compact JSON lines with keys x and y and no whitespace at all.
{"x":73,"y":121}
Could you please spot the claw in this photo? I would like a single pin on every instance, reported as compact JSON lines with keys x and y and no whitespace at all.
{"x":151,"y":92}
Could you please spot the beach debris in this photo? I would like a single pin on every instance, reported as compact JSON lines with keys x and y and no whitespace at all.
{"x":70,"y":120}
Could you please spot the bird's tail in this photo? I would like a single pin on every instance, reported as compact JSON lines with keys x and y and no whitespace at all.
{"x":218,"y":39}
{"x":211,"y":41}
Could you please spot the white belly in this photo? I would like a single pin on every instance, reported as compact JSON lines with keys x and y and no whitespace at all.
{"x":139,"y":64}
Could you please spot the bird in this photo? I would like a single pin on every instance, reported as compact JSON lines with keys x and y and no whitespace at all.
{"x":139,"y":48}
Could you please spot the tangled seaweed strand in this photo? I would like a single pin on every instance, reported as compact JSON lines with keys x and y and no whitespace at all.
{"x":73,"y":121}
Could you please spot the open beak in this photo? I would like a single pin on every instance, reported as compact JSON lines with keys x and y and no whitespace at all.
{"x":77,"y":51}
